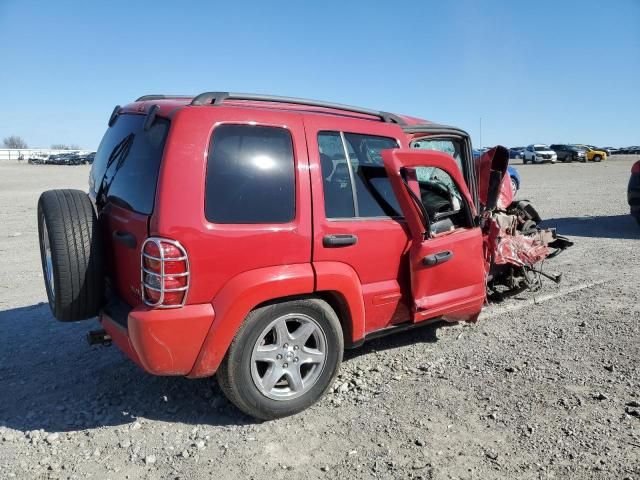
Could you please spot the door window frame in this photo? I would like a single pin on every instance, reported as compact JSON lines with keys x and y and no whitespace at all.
{"x":354,"y":193}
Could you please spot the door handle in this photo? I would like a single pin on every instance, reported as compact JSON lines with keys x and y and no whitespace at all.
{"x":437,"y":258}
{"x":125,"y":238}
{"x":340,"y":240}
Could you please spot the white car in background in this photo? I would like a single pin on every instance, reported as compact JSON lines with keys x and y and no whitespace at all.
{"x":539,"y":153}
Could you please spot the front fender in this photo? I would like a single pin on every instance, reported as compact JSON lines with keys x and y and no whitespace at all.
{"x":238,"y":297}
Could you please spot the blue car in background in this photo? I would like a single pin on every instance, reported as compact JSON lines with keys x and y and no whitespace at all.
{"x":515,"y":179}
{"x":516,"y":152}
{"x":513,"y":173}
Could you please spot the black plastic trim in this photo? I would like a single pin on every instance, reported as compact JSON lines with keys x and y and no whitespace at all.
{"x":216,"y":98}
{"x":118,"y":311}
{"x":151,"y":117}
{"x":145,"y":98}
{"x":114,"y":115}
{"x":339,"y":240}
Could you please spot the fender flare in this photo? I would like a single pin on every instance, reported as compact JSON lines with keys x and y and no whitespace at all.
{"x":237,"y":298}
{"x":340,"y":278}
{"x":249,"y":289}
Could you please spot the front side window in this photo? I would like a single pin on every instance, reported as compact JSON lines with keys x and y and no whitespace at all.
{"x":450,"y":147}
{"x":355,"y":181}
{"x":250,"y":175}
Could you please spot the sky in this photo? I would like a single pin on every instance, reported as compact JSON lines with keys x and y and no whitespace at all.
{"x":528,"y":71}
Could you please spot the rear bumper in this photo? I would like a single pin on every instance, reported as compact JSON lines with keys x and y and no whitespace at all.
{"x":161,"y":341}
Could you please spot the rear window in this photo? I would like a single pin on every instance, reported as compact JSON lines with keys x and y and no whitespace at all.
{"x":250,"y":175}
{"x":126,"y":166}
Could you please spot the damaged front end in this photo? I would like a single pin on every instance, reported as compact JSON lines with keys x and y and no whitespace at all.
{"x":515,"y":246}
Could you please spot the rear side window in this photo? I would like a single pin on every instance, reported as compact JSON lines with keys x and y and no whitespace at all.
{"x":127,"y":163}
{"x":355,"y":181}
{"x":250,"y":175}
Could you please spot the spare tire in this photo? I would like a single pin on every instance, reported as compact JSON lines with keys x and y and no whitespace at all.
{"x":71,"y":254}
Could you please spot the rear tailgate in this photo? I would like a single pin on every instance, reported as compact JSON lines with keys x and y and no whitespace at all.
{"x":123,"y":184}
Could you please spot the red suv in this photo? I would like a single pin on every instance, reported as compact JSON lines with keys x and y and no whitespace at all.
{"x":256,"y":237}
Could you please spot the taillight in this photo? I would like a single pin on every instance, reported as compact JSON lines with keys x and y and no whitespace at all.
{"x":164,"y":273}
{"x":636,"y":168}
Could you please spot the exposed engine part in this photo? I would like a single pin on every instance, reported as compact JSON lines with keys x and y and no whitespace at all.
{"x":519,"y":248}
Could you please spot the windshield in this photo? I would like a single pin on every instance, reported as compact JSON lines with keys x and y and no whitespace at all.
{"x":541,"y":148}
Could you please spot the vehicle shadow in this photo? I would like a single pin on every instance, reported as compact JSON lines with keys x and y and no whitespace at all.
{"x":422,"y":334}
{"x":608,"y":226}
{"x":51,"y":379}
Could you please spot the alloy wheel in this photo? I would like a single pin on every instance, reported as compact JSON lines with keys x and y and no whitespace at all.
{"x":48,"y":262}
{"x":288,"y":357}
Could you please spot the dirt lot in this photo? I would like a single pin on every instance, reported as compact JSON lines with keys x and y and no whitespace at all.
{"x":546,"y":385}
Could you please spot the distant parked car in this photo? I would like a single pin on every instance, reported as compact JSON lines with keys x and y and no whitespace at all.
{"x":606,"y":150}
{"x":516,"y":152}
{"x":36,"y":158}
{"x":633,"y":150}
{"x":539,"y":153}
{"x":633,"y":192}
{"x":87,"y":158}
{"x":592,"y":154}
{"x":569,"y":153}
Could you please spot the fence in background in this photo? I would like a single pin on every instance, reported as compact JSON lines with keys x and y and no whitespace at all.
{"x":26,"y":153}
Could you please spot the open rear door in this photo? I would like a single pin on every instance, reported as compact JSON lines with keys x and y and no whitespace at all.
{"x":446,"y":254}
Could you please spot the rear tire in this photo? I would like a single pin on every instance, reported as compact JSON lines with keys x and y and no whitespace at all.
{"x":244,"y":378}
{"x":597,"y":158}
{"x":71,"y":254}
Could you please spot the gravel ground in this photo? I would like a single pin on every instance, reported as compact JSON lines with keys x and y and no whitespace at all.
{"x":545,"y":385}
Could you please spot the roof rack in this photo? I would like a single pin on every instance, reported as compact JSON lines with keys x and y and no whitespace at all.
{"x":216,"y":98}
{"x":160,"y":97}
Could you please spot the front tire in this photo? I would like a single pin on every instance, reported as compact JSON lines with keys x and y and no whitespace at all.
{"x":283,"y":358}
{"x":597,"y":158}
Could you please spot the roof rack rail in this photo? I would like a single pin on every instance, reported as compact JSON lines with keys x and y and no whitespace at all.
{"x":216,"y":98}
{"x":160,"y":97}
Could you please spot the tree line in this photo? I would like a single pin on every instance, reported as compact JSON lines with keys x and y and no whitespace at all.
{"x":14,"y":141}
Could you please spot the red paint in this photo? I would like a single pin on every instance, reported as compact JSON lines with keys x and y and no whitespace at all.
{"x":458,"y":284}
{"x":235,"y":268}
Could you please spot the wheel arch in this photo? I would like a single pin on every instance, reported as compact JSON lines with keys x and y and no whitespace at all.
{"x":334,"y":282}
{"x":240,"y":295}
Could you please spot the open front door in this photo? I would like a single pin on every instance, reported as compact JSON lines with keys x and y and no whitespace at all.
{"x":446,"y":255}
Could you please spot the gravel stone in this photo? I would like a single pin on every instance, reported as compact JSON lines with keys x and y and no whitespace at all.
{"x":431,"y":385}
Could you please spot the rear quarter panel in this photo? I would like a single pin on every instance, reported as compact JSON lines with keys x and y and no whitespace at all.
{"x":220,"y":252}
